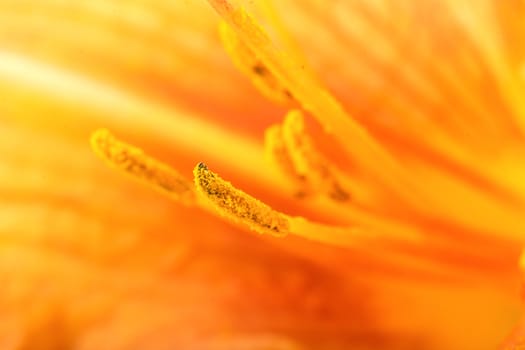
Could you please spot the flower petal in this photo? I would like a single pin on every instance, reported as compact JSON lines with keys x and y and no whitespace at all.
{"x":153,"y":49}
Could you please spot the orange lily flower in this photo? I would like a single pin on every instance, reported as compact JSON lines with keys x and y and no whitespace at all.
{"x":310,"y":174}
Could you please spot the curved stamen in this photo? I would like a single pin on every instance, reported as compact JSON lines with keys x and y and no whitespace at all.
{"x":308,"y":162}
{"x":142,"y":167}
{"x":237,"y":206}
{"x":278,"y":155}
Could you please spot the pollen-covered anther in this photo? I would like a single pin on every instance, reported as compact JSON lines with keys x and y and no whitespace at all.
{"x":308,"y":162}
{"x":238,"y":206}
{"x":248,"y":63}
{"x":133,"y":161}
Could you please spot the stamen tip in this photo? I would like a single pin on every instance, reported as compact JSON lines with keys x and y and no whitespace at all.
{"x":134,"y":162}
{"x":238,"y":206}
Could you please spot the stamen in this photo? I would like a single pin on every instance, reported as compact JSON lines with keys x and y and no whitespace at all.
{"x":308,"y":162}
{"x":237,"y":206}
{"x":355,"y":140}
{"x":140,"y":166}
{"x":393,"y":177}
{"x":248,"y":63}
{"x":286,"y":40}
{"x":277,"y":155}
{"x":241,"y":208}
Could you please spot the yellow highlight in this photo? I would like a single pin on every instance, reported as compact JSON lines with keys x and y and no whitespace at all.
{"x":248,"y":63}
{"x":302,"y":152}
{"x":237,"y":206}
{"x":133,"y":161}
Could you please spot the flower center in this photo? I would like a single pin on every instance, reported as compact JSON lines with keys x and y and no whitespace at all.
{"x":398,"y":213}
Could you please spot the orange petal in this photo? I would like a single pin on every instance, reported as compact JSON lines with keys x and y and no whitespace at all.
{"x":153,"y":49}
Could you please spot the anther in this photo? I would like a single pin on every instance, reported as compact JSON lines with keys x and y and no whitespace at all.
{"x":238,"y":206}
{"x":278,"y":155}
{"x":248,"y":63}
{"x":140,"y":166}
{"x":308,"y":162}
